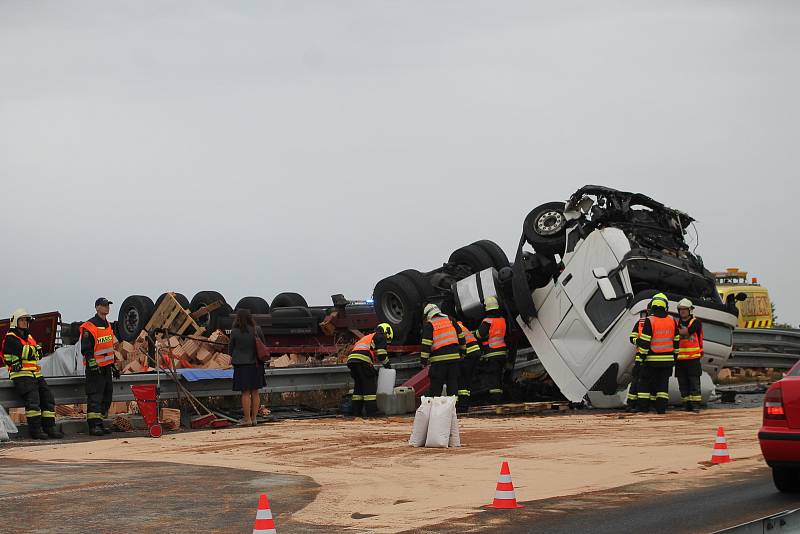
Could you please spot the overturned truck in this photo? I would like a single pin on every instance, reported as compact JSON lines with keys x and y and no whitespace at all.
{"x":583,"y":271}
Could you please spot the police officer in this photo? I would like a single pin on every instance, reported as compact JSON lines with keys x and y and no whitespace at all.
{"x":658,"y":345}
{"x":492,"y":335}
{"x":441,"y":348}
{"x":22,"y":354}
{"x":466,"y":369}
{"x":690,"y":349}
{"x":633,"y":390}
{"x":97,"y":347}
{"x":366,"y":352}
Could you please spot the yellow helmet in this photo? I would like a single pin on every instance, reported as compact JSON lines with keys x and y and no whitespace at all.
{"x":491,"y":304}
{"x":18,"y":314}
{"x":431,"y":310}
{"x":387,"y":330}
{"x":659,"y":300}
{"x":685,"y":303}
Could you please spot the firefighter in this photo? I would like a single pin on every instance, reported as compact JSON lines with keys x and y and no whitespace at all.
{"x":658,"y":345}
{"x":97,"y":347}
{"x":633,"y":391}
{"x":690,"y":349}
{"x":492,"y":335}
{"x":361,"y":362}
{"x":466,"y":369}
{"x":22,"y":354}
{"x":441,"y":348}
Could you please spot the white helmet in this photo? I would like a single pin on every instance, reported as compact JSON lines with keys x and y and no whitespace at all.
{"x":431,"y":311}
{"x":685,"y":303}
{"x":18,"y":314}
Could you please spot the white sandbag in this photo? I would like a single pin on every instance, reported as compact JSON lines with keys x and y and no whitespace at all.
{"x":419,"y":431}
{"x":6,"y":424}
{"x":440,"y":421}
{"x":386,"y":378}
{"x":455,"y":435}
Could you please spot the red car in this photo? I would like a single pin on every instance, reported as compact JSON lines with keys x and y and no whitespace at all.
{"x":779,"y":435}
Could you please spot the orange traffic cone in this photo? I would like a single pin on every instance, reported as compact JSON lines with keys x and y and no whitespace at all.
{"x":264,"y":523}
{"x":720,"y":454}
{"x":504,"y":496}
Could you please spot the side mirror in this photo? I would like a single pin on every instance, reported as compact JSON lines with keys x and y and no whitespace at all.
{"x":741,"y":297}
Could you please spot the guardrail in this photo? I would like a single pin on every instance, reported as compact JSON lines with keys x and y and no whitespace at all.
{"x":764,"y":347}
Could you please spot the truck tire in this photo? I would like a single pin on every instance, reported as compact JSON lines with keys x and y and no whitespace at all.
{"x":256,"y":305}
{"x":545,"y":229}
{"x":134,"y":312}
{"x":288,"y":300}
{"x":786,"y":479}
{"x":499,"y":258}
{"x":421,"y":281}
{"x":473,"y":257}
{"x":209,"y":320}
{"x":180,"y":297}
{"x":398,"y":302}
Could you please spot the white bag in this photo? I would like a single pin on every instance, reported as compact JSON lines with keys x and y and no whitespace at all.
{"x":419,"y":431}
{"x":6,"y":424}
{"x":455,"y":435}
{"x":386,"y":378}
{"x":440,"y":422}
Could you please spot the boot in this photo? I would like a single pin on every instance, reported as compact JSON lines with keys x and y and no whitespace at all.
{"x":687,"y":406}
{"x":95,"y":428}
{"x":643,"y":405}
{"x":631,"y":406}
{"x":358,"y":408}
{"x":371,"y":408}
{"x":35,"y":428}
{"x":49,"y":427}
{"x":462,"y":406}
{"x":106,"y":430}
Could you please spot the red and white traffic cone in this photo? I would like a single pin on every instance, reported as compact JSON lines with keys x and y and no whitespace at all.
{"x":720,"y":454}
{"x":504,"y":496}
{"x":264,"y":523}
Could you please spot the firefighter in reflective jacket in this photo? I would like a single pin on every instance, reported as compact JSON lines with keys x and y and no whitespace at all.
{"x":366,"y":352}
{"x":658,"y":345}
{"x":22,"y":354}
{"x":441,"y":348}
{"x":97,"y":347}
{"x":633,"y":391}
{"x":690,"y":349}
{"x":492,"y":335}
{"x":466,"y":369}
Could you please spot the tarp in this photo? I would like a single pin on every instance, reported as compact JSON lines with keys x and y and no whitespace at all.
{"x":194,"y":375}
{"x":66,"y":361}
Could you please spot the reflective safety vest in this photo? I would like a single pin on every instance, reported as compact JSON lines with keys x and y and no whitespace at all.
{"x":496,"y":344}
{"x":691,"y":348}
{"x":469,"y":338}
{"x":30,"y":358}
{"x":364,"y":351}
{"x":662,"y":342}
{"x":444,"y":336}
{"x":636,"y":334}
{"x":103,"y":342}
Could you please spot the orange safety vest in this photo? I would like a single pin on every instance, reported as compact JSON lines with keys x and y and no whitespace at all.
{"x":30,"y":358}
{"x":103,"y":342}
{"x":363,"y":351}
{"x":444,"y":334}
{"x":691,"y":348}
{"x":636,"y":335}
{"x":469,"y":338}
{"x":496,"y":344}
{"x":662,"y":342}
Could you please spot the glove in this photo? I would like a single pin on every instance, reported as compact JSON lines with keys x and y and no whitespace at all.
{"x":115,"y":371}
{"x":16,"y":367}
{"x":387,"y":365}
{"x":91,"y":365}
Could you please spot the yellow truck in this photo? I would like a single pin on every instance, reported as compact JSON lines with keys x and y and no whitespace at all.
{"x":752,"y":299}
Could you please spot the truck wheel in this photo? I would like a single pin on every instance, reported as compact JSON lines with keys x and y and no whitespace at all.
{"x":180,"y":297}
{"x":287,"y":300}
{"x":545,"y":228}
{"x":786,"y":479}
{"x":256,"y":305}
{"x":473,"y":257}
{"x":421,"y":281}
{"x":209,"y":320}
{"x":398,"y":302}
{"x":499,"y":258}
{"x":134,"y":312}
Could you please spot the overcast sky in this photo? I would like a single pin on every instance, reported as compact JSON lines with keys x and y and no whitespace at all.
{"x":317,"y":147}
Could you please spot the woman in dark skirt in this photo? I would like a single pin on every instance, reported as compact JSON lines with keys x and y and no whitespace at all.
{"x":248,"y":372}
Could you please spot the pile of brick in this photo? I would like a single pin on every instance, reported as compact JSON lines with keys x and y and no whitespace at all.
{"x":194,"y":352}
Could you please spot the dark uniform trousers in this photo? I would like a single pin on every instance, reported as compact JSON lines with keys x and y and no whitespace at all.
{"x":654,"y":386}
{"x":365,"y":387}
{"x":466,"y":371}
{"x":633,"y":391}
{"x":442,"y":373}
{"x":493,"y":369}
{"x":99,"y":390}
{"x":36,"y":395}
{"x":688,"y":374}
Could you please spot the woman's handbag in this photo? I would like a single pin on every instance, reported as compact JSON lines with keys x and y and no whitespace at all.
{"x":262,"y":351}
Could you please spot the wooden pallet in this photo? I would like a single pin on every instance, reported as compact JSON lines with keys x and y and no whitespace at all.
{"x":518,"y":408}
{"x":173,"y":317}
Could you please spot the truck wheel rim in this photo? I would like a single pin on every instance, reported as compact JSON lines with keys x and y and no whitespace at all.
{"x":392,"y":307}
{"x":549,"y":223}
